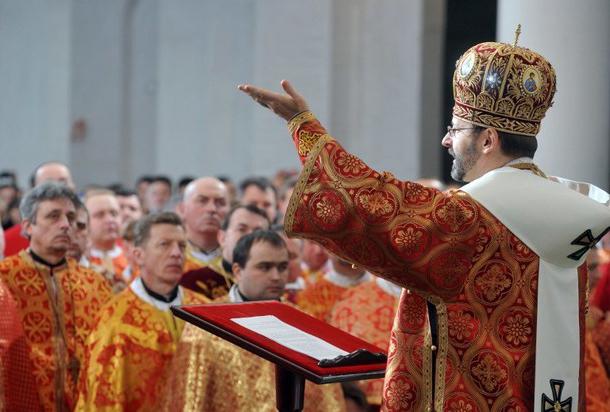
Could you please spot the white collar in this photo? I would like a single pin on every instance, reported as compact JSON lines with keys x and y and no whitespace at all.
{"x":127,"y":274}
{"x":113,"y":253}
{"x":234,"y":295}
{"x":346,"y":282}
{"x":296,"y":285}
{"x":138,"y":288}
{"x":205,"y":257}
{"x":388,"y":287}
{"x":84,"y":262}
{"x":520,"y":160}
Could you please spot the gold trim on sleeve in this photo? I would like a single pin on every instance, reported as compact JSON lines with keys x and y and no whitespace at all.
{"x":299,"y":119}
{"x":297,"y":194}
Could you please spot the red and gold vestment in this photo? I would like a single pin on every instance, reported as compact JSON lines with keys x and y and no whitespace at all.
{"x":479,"y":279}
{"x":129,"y":351}
{"x":318,"y":299}
{"x":367,"y":311}
{"x":56,"y":309}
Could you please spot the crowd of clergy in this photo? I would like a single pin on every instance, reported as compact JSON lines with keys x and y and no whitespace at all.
{"x":88,"y":278}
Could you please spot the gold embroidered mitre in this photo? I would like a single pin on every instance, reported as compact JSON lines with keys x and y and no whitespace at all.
{"x":503,"y":86}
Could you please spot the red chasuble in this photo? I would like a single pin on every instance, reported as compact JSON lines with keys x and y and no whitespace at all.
{"x":480,"y":279}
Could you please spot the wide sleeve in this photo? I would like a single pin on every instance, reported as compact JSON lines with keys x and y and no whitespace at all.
{"x":417,"y":237}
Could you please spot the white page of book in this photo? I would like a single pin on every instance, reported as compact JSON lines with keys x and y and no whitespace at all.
{"x":287,"y":335}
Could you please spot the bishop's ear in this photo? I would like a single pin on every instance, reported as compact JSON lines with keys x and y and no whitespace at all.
{"x":490,"y":140}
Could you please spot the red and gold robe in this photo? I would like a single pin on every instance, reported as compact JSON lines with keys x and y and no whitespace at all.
{"x":480,"y":279}
{"x":128,"y":353}
{"x":597,"y":382}
{"x":216,"y":375}
{"x":55,"y":325}
{"x":212,"y":281}
{"x":367,"y":311}
{"x":319,"y":298}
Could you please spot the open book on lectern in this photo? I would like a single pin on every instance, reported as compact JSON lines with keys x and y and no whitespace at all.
{"x":284,"y":335}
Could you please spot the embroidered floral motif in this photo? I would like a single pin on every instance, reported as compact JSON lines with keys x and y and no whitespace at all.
{"x":349,"y":164}
{"x":327,"y":212}
{"x":455,"y":216}
{"x":516,"y":329}
{"x":493,"y":282}
{"x":417,"y":194}
{"x":412,"y":314}
{"x":408,"y":239}
{"x":460,"y":405}
{"x":375,"y":203}
{"x":448,"y":271}
{"x":400,"y":394}
{"x":463,"y":326}
{"x":488,"y":372}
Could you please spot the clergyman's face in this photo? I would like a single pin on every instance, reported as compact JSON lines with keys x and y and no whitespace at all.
{"x":463,"y":148}
{"x":80,"y":235}
{"x":263,"y":199}
{"x":265,"y":274}
{"x":129,"y":209}
{"x":161,"y":257}
{"x":52,"y":231}
{"x":242,"y":222}
{"x":104,"y":222}
{"x":205,"y":206}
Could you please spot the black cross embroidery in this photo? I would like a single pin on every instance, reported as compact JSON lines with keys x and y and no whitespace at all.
{"x":556,"y":404}
{"x":587,"y":241}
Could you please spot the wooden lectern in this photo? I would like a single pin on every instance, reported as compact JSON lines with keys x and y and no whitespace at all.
{"x":364,"y":361}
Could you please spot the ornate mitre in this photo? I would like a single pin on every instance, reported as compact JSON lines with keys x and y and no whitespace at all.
{"x":503,"y":86}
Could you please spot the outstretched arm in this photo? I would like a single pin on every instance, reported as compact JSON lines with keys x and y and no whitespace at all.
{"x":414,"y":236}
{"x":285,"y":105}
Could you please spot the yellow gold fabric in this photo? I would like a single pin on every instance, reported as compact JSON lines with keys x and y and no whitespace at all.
{"x":57,"y":312}
{"x":191,"y":262}
{"x":211,"y":374}
{"x":128,"y":353}
{"x":502,"y":86}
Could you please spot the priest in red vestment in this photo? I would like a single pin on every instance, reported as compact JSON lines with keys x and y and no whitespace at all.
{"x":500,"y":322}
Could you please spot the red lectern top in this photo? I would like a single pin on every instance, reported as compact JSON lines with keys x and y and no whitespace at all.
{"x":216,"y":319}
